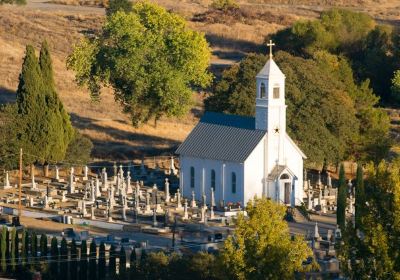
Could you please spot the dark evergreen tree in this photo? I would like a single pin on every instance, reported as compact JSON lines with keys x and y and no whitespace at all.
{"x":3,"y":249}
{"x":112,"y":264}
{"x":360,"y":197}
{"x":34,"y":249}
{"x":54,"y":258}
{"x":102,"y":261}
{"x":60,"y":131}
{"x":92,"y":261}
{"x":24,"y":248}
{"x":74,"y":261}
{"x":133,"y":264}
{"x":83,"y":261}
{"x":8,"y":255}
{"x":17,"y":247}
{"x":64,"y":260}
{"x":13,"y":260}
{"x":341,"y":199}
{"x":43,"y":247}
{"x":122,"y":263}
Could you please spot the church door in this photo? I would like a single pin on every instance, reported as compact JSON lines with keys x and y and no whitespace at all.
{"x":287,"y":192}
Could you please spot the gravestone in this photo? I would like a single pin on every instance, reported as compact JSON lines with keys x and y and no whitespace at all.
{"x":167,"y":197}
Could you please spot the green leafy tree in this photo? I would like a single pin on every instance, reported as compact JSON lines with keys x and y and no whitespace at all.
{"x":55,"y":254}
{"x":83,"y":261}
{"x":64,"y":259}
{"x":341,"y":199}
{"x":154,"y":265}
{"x":112,"y":263}
{"x":92,"y":260}
{"x":74,"y":260}
{"x":118,"y":6}
{"x":149,"y":57}
{"x":102,"y":261}
{"x":261,"y":246}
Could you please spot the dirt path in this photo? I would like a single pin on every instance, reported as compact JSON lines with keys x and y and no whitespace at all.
{"x":44,"y":5}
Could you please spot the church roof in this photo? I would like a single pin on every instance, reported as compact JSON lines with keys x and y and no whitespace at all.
{"x":222,"y":137}
{"x":270,"y":69}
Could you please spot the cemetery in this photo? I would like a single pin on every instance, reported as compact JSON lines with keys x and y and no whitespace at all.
{"x":133,"y":203}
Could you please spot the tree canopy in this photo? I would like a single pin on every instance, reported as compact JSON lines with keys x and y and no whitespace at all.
{"x":149,"y":57}
{"x":328,"y":114}
{"x":261,"y":246}
{"x":371,"y":48}
{"x":371,"y":251}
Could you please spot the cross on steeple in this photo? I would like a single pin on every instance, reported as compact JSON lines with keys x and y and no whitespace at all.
{"x":270,"y":45}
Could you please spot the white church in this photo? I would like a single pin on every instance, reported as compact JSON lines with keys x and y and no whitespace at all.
{"x":240,"y":157}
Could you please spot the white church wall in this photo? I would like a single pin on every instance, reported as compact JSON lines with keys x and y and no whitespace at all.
{"x":294,"y":161}
{"x":254,"y":173}
{"x":223,"y":179}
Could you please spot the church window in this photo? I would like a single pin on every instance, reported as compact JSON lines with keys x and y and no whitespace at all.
{"x":284,"y":176}
{"x":276,"y":93}
{"x":263,"y":91}
{"x":233,"y":182}
{"x":213,"y":179}
{"x":192,"y":177}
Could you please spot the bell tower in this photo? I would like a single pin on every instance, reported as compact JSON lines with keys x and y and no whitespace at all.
{"x":271,"y":107}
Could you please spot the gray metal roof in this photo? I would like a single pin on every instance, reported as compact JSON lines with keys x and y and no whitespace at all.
{"x":223,"y":139}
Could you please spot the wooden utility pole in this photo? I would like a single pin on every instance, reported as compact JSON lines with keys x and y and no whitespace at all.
{"x":20,"y":185}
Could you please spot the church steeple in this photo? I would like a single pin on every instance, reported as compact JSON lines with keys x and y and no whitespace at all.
{"x":270,"y":99}
{"x":270,"y":102}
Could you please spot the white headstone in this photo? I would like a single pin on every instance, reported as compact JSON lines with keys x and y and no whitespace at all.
{"x":85,"y":172}
{"x":185,"y":210}
{"x":329,"y":180}
{"x":316,"y":232}
{"x":148,"y":208}
{"x":128,"y":183}
{"x":71,"y":188}
{"x":193,"y":201}
{"x":7,"y":181}
{"x":167,"y":197}
{"x":57,"y":173}
{"x":33,"y":181}
{"x":178,"y":200}
{"x":92,"y":216}
{"x":155,"y":224}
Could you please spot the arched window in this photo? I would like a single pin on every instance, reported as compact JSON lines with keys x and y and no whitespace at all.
{"x":192,"y":177}
{"x":233,"y":182}
{"x":285,"y":176}
{"x":213,"y":179}
{"x":263,"y":91}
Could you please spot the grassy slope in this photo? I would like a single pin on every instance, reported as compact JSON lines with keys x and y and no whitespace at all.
{"x":104,"y":123}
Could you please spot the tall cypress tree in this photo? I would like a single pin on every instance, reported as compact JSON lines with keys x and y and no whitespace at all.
{"x":32,"y":118}
{"x":83,"y":261}
{"x":133,"y":264}
{"x":60,"y":129}
{"x":43,"y":247}
{"x":112,"y":264}
{"x":17,"y":249}
{"x":122,"y":263}
{"x":64,"y":260}
{"x":360,"y":197}
{"x":74,"y":261}
{"x":3,"y":249}
{"x":92,"y":261}
{"x":102,"y":260}
{"x":34,"y":248}
{"x":24,"y":249}
{"x":54,"y":258}
{"x":341,"y":199}
{"x":13,"y":260}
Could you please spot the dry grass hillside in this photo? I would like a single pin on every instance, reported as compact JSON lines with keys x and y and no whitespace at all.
{"x":231,"y":37}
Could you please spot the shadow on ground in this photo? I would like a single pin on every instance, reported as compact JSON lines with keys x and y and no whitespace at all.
{"x":119,"y":147}
{"x":7,"y":95}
